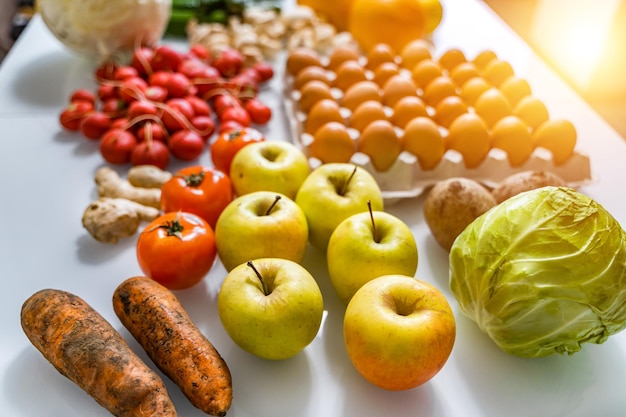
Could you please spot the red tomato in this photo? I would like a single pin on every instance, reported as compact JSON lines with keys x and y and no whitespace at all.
{"x":238,"y":114}
{"x":229,"y":62}
{"x":116,"y":146}
{"x":151,"y":131}
{"x":178,"y":85}
{"x":177,"y":250}
{"x":72,"y":116}
{"x":259,"y":112}
{"x":165,"y":58}
{"x":156,"y":93}
{"x":197,"y":189}
{"x":124,"y":72}
{"x":177,"y":114}
{"x":265,"y":70}
{"x":139,"y":108}
{"x":132,"y":88}
{"x":95,"y":124}
{"x":151,"y":152}
{"x":229,"y":125}
{"x":223,"y":102}
{"x":186,"y":145}
{"x":141,"y":60}
{"x":84,"y":95}
{"x":228,"y":143}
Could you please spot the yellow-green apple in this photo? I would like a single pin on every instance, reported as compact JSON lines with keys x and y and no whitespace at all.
{"x":366,"y":246}
{"x":270,"y":307}
{"x":333,"y":192}
{"x":261,"y":224}
{"x":398,"y":331}
{"x":269,"y":166}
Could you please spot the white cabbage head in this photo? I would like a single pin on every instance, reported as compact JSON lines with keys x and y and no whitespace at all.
{"x":104,"y":28}
{"x":542,"y":273}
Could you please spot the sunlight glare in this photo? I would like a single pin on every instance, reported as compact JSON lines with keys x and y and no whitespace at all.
{"x":572,"y":34}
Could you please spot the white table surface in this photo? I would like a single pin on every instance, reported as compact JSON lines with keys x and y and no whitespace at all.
{"x":47,"y":181}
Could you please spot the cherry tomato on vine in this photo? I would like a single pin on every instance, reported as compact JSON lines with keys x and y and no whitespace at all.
{"x":177,"y":250}
{"x":197,"y":189}
{"x":259,"y":112}
{"x":227,"y":143}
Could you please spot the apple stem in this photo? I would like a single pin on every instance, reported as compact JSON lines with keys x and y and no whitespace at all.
{"x":258,"y":274}
{"x":369,"y":207}
{"x":345,"y":185}
{"x":269,"y":210}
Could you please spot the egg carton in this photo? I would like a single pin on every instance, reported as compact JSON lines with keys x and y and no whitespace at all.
{"x":406,"y":178}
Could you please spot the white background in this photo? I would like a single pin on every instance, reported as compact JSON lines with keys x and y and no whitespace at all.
{"x":47,"y":181}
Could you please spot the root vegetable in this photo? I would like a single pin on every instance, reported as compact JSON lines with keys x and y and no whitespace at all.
{"x":452,"y":204}
{"x":109,"y":219}
{"x":86,"y":349}
{"x":148,"y":176}
{"x":111,"y":185}
{"x":525,"y":181}
{"x":158,"y":321}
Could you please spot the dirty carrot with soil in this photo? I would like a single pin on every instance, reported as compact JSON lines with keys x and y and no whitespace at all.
{"x":86,"y":349}
{"x":157,"y":320}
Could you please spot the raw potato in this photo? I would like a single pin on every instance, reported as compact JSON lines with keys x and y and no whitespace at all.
{"x":525,"y":181}
{"x":110,"y":184}
{"x":148,"y":176}
{"x":109,"y":219}
{"x":85,"y":348}
{"x":452,"y":204}
{"x":158,"y":321}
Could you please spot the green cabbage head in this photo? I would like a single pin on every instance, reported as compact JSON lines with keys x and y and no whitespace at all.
{"x":542,"y":273}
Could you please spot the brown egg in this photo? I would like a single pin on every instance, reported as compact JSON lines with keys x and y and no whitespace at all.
{"x":300,"y":58}
{"x":347,"y":74}
{"x":359,"y":93}
{"x":422,"y":138}
{"x":451,"y":58}
{"x":473,"y":88}
{"x":366,"y":113}
{"x":312,"y":92}
{"x":438,"y":89}
{"x":463,"y":72}
{"x":449,"y":109}
{"x":322,"y":112}
{"x":483,"y":58}
{"x":559,"y":136}
{"x":532,"y":111}
{"x":341,"y":54}
{"x":311,"y":73}
{"x":332,"y":143}
{"x":379,"y":53}
{"x":515,"y":89}
{"x":414,"y":52}
{"x":426,"y":71}
{"x":497,"y":71}
{"x":396,"y":88}
{"x":380,"y":142}
{"x":492,"y":106}
{"x":406,"y":109}
{"x":469,"y":135}
{"x":512,"y":135}
{"x":385,"y":71}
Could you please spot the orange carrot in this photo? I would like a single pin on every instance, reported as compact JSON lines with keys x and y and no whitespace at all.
{"x":85,"y":348}
{"x":155,"y":317}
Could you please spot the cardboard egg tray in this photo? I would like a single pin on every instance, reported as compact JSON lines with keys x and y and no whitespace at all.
{"x":406,"y":178}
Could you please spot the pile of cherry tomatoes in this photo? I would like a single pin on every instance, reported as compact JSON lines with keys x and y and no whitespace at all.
{"x":168,"y":103}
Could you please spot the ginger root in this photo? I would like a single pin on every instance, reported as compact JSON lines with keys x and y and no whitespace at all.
{"x":109,"y":219}
{"x":111,"y":185}
{"x":148,"y":176}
